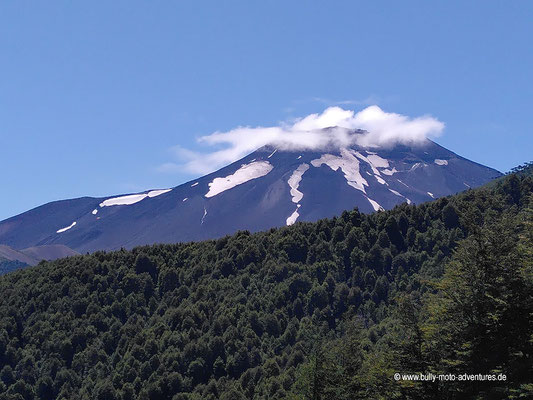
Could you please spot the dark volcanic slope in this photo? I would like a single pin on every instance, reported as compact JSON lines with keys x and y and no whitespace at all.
{"x":264,"y":189}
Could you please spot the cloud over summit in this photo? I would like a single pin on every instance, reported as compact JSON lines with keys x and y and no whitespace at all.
{"x":381,"y":129}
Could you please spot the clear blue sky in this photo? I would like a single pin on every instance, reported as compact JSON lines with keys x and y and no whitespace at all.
{"x":94,"y":94}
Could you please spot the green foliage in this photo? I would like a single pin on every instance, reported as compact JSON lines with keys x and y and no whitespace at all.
{"x":480,"y":319}
{"x":523,"y":169}
{"x":325,"y":310}
{"x":477,"y":318}
{"x":8,"y":265}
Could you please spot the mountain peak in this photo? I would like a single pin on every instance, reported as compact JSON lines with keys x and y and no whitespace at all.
{"x":268,"y":188}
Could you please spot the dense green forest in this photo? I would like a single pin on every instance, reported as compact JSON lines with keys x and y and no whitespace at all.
{"x":10,"y":265}
{"x":325,"y":310}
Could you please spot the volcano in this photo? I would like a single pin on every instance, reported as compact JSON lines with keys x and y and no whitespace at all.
{"x":266,"y":189}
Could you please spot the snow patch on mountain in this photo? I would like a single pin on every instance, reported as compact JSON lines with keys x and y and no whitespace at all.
{"x":400,"y":195}
{"x":402,"y":183}
{"x":441,"y":162}
{"x":155,"y":193}
{"x":294,"y":182}
{"x":365,"y":159}
{"x":293,"y":217}
{"x":374,"y":204}
{"x":349,"y":165}
{"x":66,"y":229}
{"x":380,"y":180}
{"x":396,"y":193}
{"x":132,"y":198}
{"x":417,"y":165}
{"x":95,"y":211}
{"x":378,"y":161}
{"x":203,"y":216}
{"x":244,"y":174}
{"x":389,"y":171}
{"x":123,"y":200}
{"x":375,"y":162}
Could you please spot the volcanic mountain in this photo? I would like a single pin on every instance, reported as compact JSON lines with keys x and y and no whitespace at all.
{"x":268,"y":188}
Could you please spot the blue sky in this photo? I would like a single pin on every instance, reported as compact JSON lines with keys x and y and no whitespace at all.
{"x":94,"y":95}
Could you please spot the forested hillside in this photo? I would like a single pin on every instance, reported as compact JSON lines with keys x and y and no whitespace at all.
{"x":325,"y":310}
{"x":10,"y":265}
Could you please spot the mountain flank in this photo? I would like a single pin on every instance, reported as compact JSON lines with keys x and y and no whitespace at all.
{"x":268,"y":188}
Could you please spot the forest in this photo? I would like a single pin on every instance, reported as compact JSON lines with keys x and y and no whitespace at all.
{"x":10,"y":265}
{"x":325,"y":310}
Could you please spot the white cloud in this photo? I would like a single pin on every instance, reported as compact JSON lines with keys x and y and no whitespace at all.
{"x":381,"y":129}
{"x":386,"y":129}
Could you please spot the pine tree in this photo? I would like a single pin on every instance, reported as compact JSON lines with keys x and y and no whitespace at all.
{"x":480,"y":321}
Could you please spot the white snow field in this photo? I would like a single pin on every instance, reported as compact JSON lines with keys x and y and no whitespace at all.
{"x":132,"y":198}
{"x":244,"y":174}
{"x":375,"y":204}
{"x":374,"y":161}
{"x":294,"y":216}
{"x":294,"y":182}
{"x":400,"y":195}
{"x":66,"y":229}
{"x":380,"y":180}
{"x":389,"y":171}
{"x":441,"y":162}
{"x":349,"y":165}
{"x":271,"y":154}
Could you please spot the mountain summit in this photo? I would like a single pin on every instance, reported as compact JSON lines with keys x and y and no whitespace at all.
{"x":268,"y":188}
